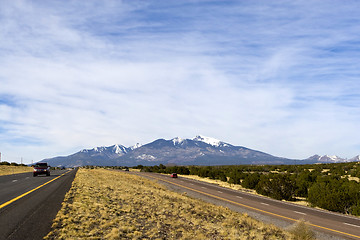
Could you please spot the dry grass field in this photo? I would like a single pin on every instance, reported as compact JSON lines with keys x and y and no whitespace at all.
{"x":7,"y":170}
{"x":104,"y":204}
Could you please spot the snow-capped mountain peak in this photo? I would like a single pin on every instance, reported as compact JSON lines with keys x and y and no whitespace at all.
{"x":98,"y":149}
{"x":177,"y":140}
{"x":333,"y":158}
{"x":355,"y":159}
{"x":119,"y":149}
{"x":208,"y":140}
{"x":137,"y":145}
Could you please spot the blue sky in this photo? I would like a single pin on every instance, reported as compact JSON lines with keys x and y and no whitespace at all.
{"x":277,"y":76}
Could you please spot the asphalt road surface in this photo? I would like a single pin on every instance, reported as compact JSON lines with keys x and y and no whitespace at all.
{"x":29,"y":204}
{"x":330,"y":225}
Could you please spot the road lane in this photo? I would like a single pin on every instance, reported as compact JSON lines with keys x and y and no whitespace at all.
{"x":12,"y":186}
{"x":30,"y":217}
{"x":346,"y":227}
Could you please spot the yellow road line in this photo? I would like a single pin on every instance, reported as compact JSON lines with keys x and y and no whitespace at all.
{"x":253,"y":208}
{"x":23,"y":195}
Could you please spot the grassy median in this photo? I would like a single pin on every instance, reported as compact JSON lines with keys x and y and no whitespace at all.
{"x":8,"y":170}
{"x":104,"y":204}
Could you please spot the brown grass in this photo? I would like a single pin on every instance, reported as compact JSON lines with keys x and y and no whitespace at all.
{"x":302,"y":231}
{"x":8,"y":170}
{"x":105,"y":204}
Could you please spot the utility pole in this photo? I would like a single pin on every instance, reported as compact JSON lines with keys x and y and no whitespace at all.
{"x":21,"y":160}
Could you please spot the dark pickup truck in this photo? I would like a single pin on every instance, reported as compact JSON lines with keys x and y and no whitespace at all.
{"x":41,"y":168}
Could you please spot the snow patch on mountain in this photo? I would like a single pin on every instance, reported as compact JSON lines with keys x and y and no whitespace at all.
{"x":146,"y":157}
{"x":95,"y":149}
{"x":116,"y":149}
{"x":119,"y":149}
{"x":99,"y":149}
{"x":137,"y":145}
{"x":355,"y":159}
{"x":334,"y":158}
{"x":208,"y":140}
{"x":211,"y":141}
{"x":177,"y":140}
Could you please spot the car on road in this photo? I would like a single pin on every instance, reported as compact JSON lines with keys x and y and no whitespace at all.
{"x":173,"y":175}
{"x":41,"y":168}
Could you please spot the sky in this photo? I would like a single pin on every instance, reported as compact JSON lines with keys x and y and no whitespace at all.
{"x":282,"y":77}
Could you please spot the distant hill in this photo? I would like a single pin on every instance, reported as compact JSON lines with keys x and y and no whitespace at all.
{"x":197,"y":151}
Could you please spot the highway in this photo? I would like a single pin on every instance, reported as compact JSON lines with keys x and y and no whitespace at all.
{"x":29,"y":204}
{"x":333,"y":225}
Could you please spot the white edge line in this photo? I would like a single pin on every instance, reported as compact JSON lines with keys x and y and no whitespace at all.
{"x":353,"y":225}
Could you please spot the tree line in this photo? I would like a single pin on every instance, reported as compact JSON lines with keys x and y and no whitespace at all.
{"x":11,"y":164}
{"x":334,"y":187}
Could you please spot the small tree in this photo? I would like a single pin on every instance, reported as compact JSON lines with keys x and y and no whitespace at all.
{"x":278,"y":186}
{"x":251,"y":181}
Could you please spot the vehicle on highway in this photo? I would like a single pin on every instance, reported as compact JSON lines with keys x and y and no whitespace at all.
{"x":173,"y":175}
{"x":41,"y":168}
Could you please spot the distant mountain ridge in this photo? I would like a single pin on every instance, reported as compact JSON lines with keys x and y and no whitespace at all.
{"x":332,"y":159}
{"x":177,"y":151}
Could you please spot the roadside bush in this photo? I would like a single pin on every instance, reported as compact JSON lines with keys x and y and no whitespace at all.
{"x":334,"y":194}
{"x":277,"y":186}
{"x":223,"y":177}
{"x":234,"y":178}
{"x":303,"y":181}
{"x":251,"y":181}
{"x":302,"y":231}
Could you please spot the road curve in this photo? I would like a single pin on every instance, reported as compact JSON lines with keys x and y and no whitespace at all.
{"x":339,"y":226}
{"x":29,"y":204}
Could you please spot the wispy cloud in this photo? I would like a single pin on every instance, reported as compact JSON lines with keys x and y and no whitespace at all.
{"x":279,"y":77}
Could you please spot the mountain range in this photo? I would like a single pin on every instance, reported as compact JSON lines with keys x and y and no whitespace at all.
{"x":197,"y":151}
